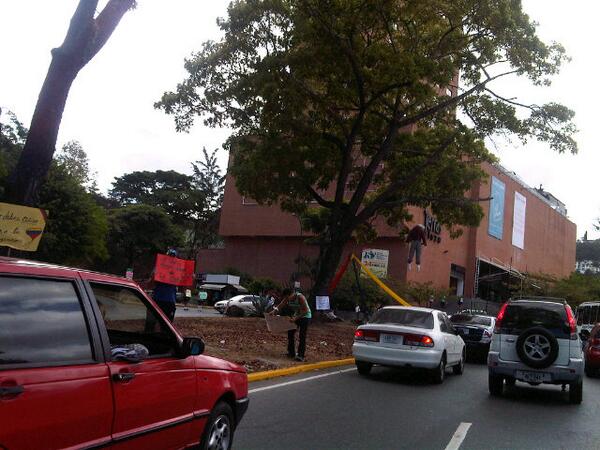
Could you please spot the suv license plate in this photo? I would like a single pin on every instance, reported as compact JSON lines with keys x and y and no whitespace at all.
{"x":533,"y":377}
{"x":391,"y":339}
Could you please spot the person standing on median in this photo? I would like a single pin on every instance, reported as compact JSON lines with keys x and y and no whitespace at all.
{"x":301,"y":315}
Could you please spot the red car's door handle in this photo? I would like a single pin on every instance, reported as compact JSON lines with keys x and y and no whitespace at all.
{"x":123,"y":377}
{"x":11,"y":391}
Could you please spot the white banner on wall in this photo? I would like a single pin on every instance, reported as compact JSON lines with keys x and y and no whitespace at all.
{"x":518,"y":234}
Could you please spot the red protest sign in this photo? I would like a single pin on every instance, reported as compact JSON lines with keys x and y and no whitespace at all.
{"x":171,"y":270}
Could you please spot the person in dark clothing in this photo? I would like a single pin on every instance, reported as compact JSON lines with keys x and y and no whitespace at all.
{"x":416,"y":238}
{"x":301,"y":315}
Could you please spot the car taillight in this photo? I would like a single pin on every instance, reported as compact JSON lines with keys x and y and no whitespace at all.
{"x":572,"y":322}
{"x":418,"y":340}
{"x":366,"y":335}
{"x":500,"y":317}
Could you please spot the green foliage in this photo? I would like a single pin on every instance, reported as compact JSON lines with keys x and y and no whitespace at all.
{"x":77,"y":227}
{"x":255,"y":285}
{"x":137,"y":233}
{"x":170,"y":190}
{"x":12,"y":139}
{"x":75,"y":161}
{"x":209,"y":181}
{"x":347,"y":294}
{"x":588,"y":250}
{"x":262,"y":285}
{"x":577,"y":288}
{"x":352,"y":105}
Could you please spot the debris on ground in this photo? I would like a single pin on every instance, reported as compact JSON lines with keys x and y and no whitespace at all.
{"x":247,"y":342}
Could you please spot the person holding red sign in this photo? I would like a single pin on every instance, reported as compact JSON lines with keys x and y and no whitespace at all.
{"x":165,"y":295}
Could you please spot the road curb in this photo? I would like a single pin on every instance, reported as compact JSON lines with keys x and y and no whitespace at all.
{"x":260,"y":376}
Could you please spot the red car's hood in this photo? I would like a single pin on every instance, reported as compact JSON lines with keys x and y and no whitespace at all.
{"x":212,"y":363}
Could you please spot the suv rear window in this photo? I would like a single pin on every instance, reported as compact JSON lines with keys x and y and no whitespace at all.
{"x":521,"y":316}
{"x":406,"y":317}
{"x":471,"y":320}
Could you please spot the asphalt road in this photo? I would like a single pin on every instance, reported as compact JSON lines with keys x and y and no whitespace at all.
{"x":391,"y":410}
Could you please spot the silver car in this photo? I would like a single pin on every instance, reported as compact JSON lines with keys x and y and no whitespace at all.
{"x":409,"y":337}
{"x":535,"y":341}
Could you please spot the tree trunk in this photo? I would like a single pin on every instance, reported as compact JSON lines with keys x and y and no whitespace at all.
{"x":37,"y":154}
{"x":85,"y":37}
{"x":330,"y":255}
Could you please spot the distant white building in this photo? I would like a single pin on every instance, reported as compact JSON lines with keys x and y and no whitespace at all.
{"x":587,"y":265}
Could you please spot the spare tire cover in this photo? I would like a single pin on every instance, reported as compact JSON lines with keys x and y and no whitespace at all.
{"x":537,"y":347}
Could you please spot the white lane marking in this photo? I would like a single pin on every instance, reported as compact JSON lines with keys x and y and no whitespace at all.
{"x":459,"y":436}
{"x":328,"y":374}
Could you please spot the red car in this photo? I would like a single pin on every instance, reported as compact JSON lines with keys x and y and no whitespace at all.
{"x":87,"y":360}
{"x":591,"y":352}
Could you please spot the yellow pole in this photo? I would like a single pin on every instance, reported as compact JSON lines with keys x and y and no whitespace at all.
{"x":381,"y":284}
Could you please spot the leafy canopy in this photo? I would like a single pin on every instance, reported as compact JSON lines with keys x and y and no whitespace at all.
{"x":316,"y":93}
{"x":356,"y":105}
{"x":137,"y":233}
{"x":172,"y":191}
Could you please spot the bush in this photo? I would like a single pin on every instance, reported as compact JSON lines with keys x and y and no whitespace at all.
{"x":347,"y":294}
{"x":255,"y":285}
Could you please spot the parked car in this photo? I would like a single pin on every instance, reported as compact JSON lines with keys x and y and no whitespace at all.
{"x":591,"y":352}
{"x":536,"y":341}
{"x":221,"y":305}
{"x":403,"y":337}
{"x":475,"y":329}
{"x":88,"y":360}
{"x":244,"y":305}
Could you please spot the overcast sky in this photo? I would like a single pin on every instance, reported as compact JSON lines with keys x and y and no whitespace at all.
{"x":110,"y":106}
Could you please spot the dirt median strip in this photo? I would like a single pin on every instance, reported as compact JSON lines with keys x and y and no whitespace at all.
{"x":268,"y":374}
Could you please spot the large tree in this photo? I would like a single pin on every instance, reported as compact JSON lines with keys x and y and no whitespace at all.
{"x":209,"y":180}
{"x":172,"y":191}
{"x":76,"y":228}
{"x":136,"y":234}
{"x":87,"y":34}
{"x":352,"y":105}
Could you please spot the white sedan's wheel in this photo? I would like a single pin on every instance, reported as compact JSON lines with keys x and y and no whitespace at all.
{"x":460,"y":367}
{"x":439,"y":373}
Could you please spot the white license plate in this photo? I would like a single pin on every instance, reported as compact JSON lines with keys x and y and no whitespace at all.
{"x":391,"y":339}
{"x":465,"y":331}
{"x":533,"y":377}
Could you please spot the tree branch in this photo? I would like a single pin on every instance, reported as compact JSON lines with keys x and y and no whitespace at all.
{"x":105,"y":24}
{"x":80,"y":28}
{"x":382,"y":198}
{"x":451,"y":101}
{"x":315,"y":195}
{"x":512,"y":102}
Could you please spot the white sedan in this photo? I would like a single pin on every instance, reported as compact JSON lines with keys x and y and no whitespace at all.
{"x":409,"y":337}
{"x":238,"y":306}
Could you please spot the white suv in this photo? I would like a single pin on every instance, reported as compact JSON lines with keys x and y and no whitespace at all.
{"x":536,"y":341}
